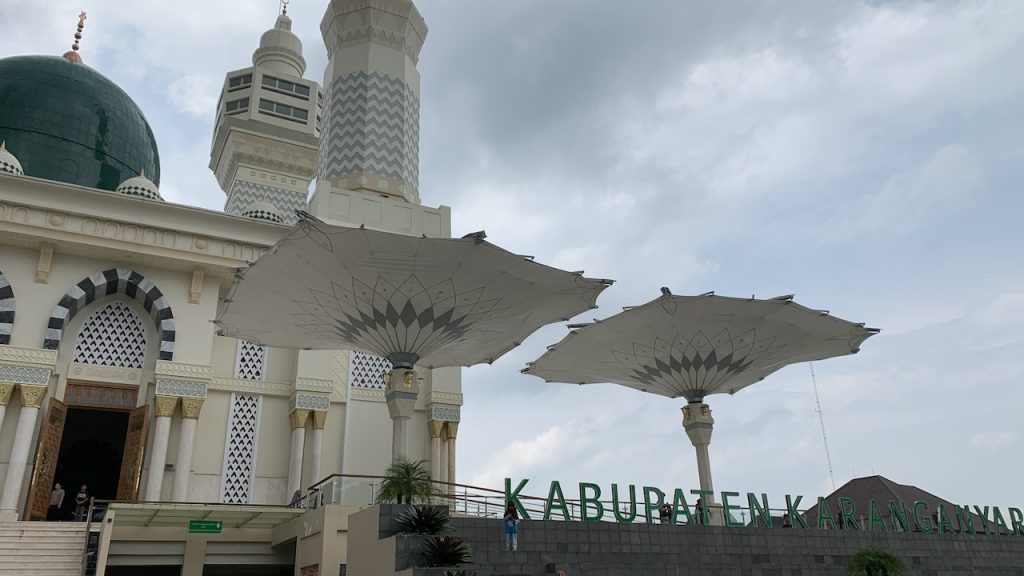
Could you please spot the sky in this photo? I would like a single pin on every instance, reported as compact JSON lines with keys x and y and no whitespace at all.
{"x":864,"y":156}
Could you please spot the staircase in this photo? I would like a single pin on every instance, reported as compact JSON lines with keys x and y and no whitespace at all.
{"x":41,"y":548}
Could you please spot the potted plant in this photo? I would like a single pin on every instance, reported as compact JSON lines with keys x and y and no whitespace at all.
{"x":875,"y":562}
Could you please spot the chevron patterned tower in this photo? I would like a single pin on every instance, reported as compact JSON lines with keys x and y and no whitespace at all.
{"x":268,"y":130}
{"x":370,"y":141}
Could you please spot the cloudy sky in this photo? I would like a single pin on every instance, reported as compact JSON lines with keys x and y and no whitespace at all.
{"x":866,"y":156}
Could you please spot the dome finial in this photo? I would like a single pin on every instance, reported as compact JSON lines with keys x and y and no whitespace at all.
{"x":73,"y":53}
{"x":284,"y":6}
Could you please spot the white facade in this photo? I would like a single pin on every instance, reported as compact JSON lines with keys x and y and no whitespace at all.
{"x":113,"y":298}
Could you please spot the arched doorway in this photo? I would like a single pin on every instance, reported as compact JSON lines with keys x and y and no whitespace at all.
{"x":95,"y":433}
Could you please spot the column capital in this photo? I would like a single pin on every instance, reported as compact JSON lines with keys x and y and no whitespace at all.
{"x":165,"y":405}
{"x":436,"y":427}
{"x":451,"y":430}
{"x":6,"y":388}
{"x":32,"y":395}
{"x":298,"y":418}
{"x":698,"y":423}
{"x":191,"y":407}
{"x":319,"y":419}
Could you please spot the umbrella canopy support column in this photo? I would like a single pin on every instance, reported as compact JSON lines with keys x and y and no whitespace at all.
{"x":403,"y":388}
{"x":699,"y":425}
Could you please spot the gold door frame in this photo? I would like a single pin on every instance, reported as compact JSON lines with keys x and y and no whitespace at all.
{"x":45,"y":467}
{"x":131,"y":457}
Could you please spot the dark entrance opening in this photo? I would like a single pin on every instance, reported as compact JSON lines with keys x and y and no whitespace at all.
{"x":90,"y":453}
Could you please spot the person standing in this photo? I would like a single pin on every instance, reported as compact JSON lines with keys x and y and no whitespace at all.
{"x":56,"y":501}
{"x":700,"y":511}
{"x":511,"y":519}
{"x":82,"y":503}
{"x":665,"y":513}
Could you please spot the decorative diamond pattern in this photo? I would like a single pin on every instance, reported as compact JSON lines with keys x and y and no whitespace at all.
{"x":251,"y":362}
{"x":240,"y":449}
{"x":24,"y":375}
{"x":367,"y":370}
{"x":112,"y":336}
{"x":6,"y":310}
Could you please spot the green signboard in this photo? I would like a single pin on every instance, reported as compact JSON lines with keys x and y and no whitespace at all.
{"x":205,"y":526}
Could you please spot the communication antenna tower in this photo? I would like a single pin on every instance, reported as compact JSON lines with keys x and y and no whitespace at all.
{"x":821,"y":420}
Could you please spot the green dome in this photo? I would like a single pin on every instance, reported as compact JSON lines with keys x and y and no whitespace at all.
{"x":65,"y":121}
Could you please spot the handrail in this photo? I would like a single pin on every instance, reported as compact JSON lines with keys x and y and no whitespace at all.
{"x":88,"y":530}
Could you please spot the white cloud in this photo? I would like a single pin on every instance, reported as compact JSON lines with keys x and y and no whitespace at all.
{"x":1006,"y":309}
{"x":993,"y":441}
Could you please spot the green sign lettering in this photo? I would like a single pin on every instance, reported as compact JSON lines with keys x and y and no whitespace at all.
{"x":759,"y":512}
{"x":513,"y":496}
{"x":825,"y":514}
{"x":555,"y":500}
{"x":876,"y":517}
{"x":728,"y":508}
{"x":793,"y":509}
{"x":964,"y":519}
{"x":1017,"y":521}
{"x":924,"y":524}
{"x":898,"y":514}
{"x":652,"y":506}
{"x":680,"y":500}
{"x":585,"y":502}
{"x":621,"y":517}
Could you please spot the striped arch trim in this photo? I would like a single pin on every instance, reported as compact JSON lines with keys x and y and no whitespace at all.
{"x":114,"y":281}
{"x":6,"y":310}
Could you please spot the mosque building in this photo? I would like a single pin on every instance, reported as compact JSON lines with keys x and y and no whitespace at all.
{"x":111,"y":373}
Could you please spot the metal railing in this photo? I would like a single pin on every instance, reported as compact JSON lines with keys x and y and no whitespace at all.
{"x":478,"y":501}
{"x":88,"y":536}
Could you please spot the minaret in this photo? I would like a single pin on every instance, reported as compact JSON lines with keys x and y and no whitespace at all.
{"x":370,"y":140}
{"x":267,"y":132}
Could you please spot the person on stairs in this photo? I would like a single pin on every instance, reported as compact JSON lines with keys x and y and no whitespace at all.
{"x":56,"y":502}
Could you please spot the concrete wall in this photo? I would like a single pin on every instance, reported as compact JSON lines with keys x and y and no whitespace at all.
{"x":607,"y":549}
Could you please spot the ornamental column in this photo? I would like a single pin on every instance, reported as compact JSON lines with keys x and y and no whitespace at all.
{"x":451,"y":429}
{"x":165,"y":406}
{"x":6,"y":388}
{"x":298,"y":419}
{"x":31,"y":399}
{"x":190,"y":408}
{"x":402,"y":389}
{"x":699,"y":424}
{"x":436,"y":428}
{"x":319,"y":420}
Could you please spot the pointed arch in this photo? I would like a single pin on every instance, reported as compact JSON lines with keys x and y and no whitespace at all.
{"x":6,"y":309}
{"x":114,"y":281}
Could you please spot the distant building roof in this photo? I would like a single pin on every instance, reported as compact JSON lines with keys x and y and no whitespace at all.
{"x":882,"y":490}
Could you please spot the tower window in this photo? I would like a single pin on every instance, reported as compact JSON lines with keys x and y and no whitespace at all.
{"x":284,"y":111}
{"x":237,"y":106}
{"x":239,"y":82}
{"x":286,"y":87}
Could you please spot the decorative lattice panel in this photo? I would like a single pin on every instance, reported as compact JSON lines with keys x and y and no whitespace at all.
{"x":251,"y":362}
{"x":112,"y":336}
{"x":367,"y":370}
{"x":240,"y":449}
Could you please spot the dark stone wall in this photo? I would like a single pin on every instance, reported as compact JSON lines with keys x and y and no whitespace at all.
{"x":609,"y":549}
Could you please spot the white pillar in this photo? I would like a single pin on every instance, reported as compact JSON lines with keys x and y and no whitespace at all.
{"x":451,"y":431}
{"x":319,"y":420}
{"x":165,"y":406}
{"x":442,"y":464}
{"x":400,"y":395}
{"x":190,"y":408}
{"x":699,"y":425}
{"x":298,"y":419}
{"x":31,"y":398}
{"x":6,"y":388}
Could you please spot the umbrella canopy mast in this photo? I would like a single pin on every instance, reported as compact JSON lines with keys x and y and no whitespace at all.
{"x":417,"y":301}
{"x":695,"y":346}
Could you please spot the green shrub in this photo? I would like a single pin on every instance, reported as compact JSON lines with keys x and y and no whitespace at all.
{"x":405,"y":482}
{"x":423,"y":520}
{"x":446,"y":551}
{"x":875,"y":562}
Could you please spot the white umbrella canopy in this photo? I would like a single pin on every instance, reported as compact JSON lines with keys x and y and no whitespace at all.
{"x":693,"y":346}
{"x":435,"y":302}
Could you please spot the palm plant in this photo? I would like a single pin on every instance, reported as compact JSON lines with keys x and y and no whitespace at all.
{"x":446,"y":551}
{"x":875,"y":562}
{"x":405,"y":482}
{"x":423,"y":520}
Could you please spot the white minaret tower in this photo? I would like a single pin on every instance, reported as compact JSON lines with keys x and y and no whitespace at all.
{"x":268,"y":130}
{"x":370,"y":142}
